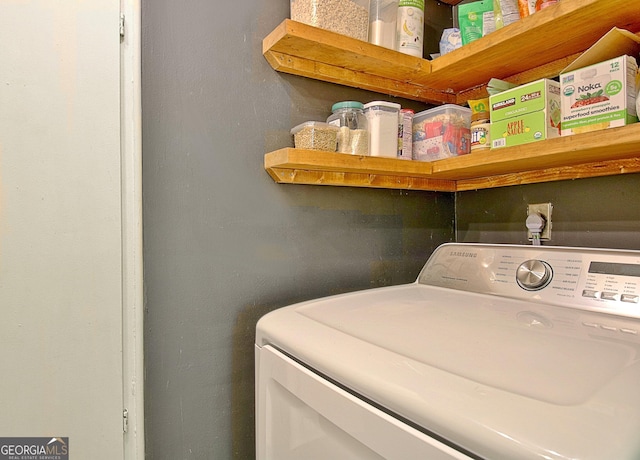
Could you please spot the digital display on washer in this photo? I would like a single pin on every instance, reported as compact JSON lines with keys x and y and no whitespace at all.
{"x":608,"y":268}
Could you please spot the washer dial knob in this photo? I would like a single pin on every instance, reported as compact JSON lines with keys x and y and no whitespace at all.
{"x":533,"y":274}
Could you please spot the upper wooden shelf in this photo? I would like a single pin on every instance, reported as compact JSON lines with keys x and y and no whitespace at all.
{"x":600,"y":153}
{"x":537,"y":46}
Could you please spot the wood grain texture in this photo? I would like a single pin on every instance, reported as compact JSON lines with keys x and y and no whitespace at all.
{"x":581,"y":171}
{"x":351,"y":179}
{"x":356,"y":79}
{"x":563,"y":29}
{"x":301,"y":166}
{"x":599,"y":153}
{"x":549,"y":70}
{"x":610,"y":144}
{"x":331,"y":161}
{"x":301,"y":40}
{"x":537,"y":46}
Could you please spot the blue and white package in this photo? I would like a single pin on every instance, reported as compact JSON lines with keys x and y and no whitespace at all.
{"x":451,"y":40}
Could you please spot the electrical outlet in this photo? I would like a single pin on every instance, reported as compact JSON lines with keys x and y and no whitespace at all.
{"x":544,"y":209}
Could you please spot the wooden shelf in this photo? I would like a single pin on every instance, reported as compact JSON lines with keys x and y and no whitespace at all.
{"x":537,"y":46}
{"x":300,"y":49}
{"x":600,"y":153}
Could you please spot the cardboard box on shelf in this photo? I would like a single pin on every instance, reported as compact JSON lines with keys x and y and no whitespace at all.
{"x":599,"y":88}
{"x":526,"y":113}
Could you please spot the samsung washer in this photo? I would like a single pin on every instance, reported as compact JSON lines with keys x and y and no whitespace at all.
{"x":495,"y":352}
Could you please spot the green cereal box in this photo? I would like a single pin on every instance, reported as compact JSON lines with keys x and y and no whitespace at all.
{"x":527,"y":113}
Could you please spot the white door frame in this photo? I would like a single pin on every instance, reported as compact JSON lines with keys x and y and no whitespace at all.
{"x":132,"y":274}
{"x":71,"y":284}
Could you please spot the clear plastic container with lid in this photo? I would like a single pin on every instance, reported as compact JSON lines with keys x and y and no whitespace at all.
{"x":349,"y":114}
{"x":315,"y":135}
{"x":349,"y":117}
{"x":382,"y":23}
{"x":383,"y":119}
{"x":346,"y":17}
{"x":441,"y":132}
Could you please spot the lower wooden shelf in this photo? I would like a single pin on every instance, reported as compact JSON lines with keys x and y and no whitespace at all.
{"x":599,"y":153}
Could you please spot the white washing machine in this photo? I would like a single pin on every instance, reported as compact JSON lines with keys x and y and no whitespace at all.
{"x":495,"y":352}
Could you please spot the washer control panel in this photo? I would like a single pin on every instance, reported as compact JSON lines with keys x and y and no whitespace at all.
{"x":613,"y":281}
{"x":591,"y":279}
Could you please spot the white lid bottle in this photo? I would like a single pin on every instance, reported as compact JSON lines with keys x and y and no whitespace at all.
{"x":383,"y":121}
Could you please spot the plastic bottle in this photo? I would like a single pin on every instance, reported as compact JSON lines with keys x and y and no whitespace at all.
{"x":353,"y":136}
{"x":410,"y":27}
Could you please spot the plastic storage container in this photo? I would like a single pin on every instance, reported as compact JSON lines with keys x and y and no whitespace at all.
{"x":383,"y":121}
{"x":382,"y":23}
{"x":315,"y":135}
{"x":353,"y":136}
{"x":346,"y":17}
{"x":442,"y":132}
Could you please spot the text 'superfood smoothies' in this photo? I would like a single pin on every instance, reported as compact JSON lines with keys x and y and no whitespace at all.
{"x":599,"y":96}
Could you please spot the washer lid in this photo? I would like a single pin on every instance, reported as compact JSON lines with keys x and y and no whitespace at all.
{"x":502,"y":378}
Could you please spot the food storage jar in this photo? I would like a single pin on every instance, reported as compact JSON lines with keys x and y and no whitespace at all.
{"x":383,"y":121}
{"x":480,"y":131}
{"x":315,"y":135}
{"x":346,"y":17}
{"x":382,"y":23}
{"x":349,"y":117}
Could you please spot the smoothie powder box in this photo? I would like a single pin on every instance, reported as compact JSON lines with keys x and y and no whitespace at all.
{"x":599,"y":96}
{"x":599,"y":88}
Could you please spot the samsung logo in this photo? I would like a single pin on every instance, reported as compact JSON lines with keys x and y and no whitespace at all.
{"x":466,"y":254}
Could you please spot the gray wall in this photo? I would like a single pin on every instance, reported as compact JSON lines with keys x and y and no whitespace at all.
{"x":223,"y":244}
{"x":596,"y":212}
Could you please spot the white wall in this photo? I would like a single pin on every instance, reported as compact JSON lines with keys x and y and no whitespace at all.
{"x":61,"y":276}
